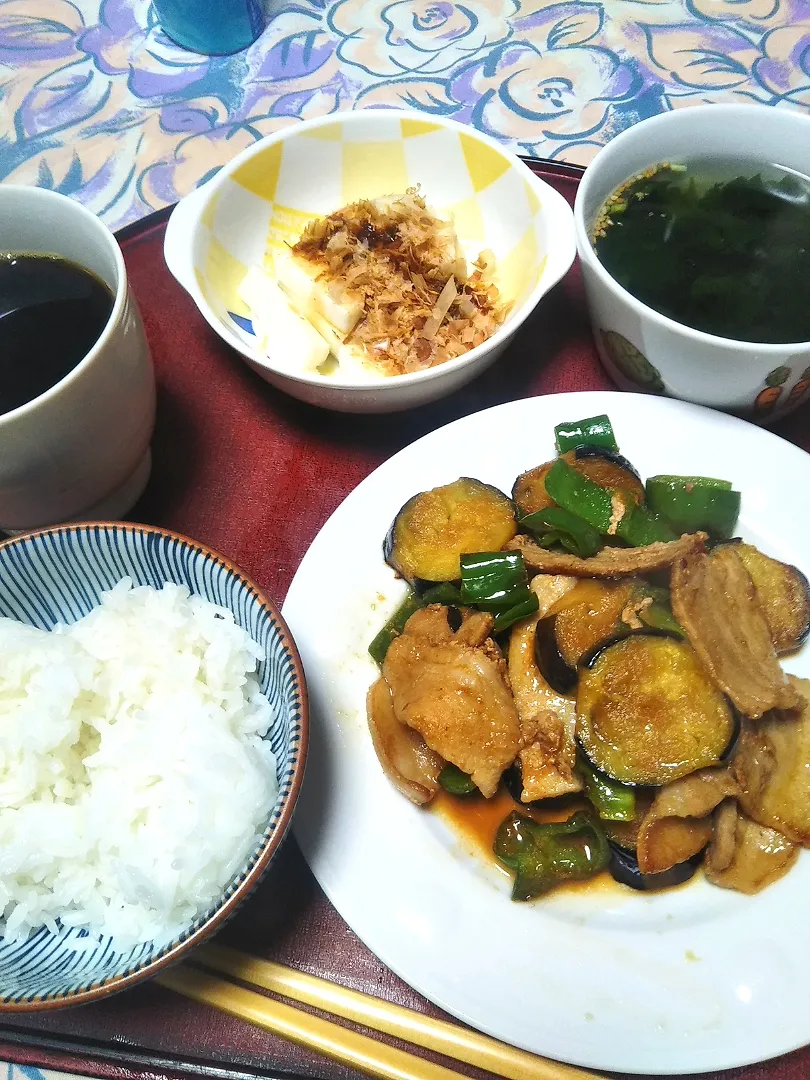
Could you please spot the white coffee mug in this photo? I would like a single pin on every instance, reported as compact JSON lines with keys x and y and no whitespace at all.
{"x":80,"y":451}
{"x":642,"y":349}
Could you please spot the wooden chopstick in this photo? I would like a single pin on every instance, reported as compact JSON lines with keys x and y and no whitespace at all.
{"x":348,"y":1047}
{"x":439,"y":1036}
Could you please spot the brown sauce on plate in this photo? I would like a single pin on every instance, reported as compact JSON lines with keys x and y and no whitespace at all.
{"x":475,"y":820}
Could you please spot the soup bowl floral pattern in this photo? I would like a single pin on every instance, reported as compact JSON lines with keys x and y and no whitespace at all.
{"x":101,"y":105}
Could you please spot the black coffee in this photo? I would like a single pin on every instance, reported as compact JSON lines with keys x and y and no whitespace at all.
{"x":52,"y":312}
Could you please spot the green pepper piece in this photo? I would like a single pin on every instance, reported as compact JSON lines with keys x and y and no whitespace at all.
{"x":579,"y":495}
{"x":445,"y":593}
{"x":505,"y":618}
{"x":660,"y":617}
{"x":456,"y":782}
{"x":695,"y":502}
{"x":557,"y":526}
{"x":582,"y":496}
{"x":611,"y":800}
{"x":658,"y":614}
{"x":658,"y":593}
{"x":543,"y":856}
{"x":490,"y":577}
{"x":640,"y":527}
{"x":595,"y":431}
{"x":697,"y":481}
{"x":394,"y":627}
{"x":497,"y":581}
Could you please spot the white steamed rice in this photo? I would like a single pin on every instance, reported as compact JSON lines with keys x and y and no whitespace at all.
{"x":134,"y":780}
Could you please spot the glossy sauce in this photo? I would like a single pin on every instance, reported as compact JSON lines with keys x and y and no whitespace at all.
{"x":52,"y":312}
{"x":476,"y":819}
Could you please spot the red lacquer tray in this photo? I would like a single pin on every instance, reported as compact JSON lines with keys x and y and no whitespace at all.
{"x":255,"y":474}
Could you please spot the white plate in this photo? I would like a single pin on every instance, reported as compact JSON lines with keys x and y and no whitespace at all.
{"x":687,"y":981}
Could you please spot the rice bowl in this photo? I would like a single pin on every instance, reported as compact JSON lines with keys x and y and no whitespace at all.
{"x":139,"y":838}
{"x":111,"y":815}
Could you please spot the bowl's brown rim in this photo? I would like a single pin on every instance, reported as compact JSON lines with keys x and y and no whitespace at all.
{"x":172,"y":955}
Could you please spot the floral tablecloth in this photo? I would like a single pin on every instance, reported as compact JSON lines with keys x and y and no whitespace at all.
{"x":97,"y":102}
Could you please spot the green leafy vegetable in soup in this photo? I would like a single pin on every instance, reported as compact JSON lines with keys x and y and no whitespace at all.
{"x":718,"y":245}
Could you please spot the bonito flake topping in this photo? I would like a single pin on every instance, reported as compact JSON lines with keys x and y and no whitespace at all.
{"x":404,"y":265}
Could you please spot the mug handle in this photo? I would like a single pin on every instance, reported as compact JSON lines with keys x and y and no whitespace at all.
{"x":178,"y":241}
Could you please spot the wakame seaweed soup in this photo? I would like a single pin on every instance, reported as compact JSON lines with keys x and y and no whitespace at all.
{"x":720,"y":246}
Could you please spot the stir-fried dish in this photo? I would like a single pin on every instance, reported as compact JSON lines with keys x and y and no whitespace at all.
{"x":606,"y":652}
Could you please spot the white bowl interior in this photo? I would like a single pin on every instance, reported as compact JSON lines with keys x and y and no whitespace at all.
{"x":36,"y":220}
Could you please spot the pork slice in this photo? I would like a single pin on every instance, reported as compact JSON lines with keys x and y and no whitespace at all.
{"x":678,"y":824}
{"x":744,"y":855}
{"x":547,"y":719}
{"x":408,"y":762}
{"x":610,"y":562}
{"x":453,"y":689}
{"x":772,"y":767}
{"x":714,"y":600}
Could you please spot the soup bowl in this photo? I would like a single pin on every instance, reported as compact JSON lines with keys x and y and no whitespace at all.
{"x":643,"y":349}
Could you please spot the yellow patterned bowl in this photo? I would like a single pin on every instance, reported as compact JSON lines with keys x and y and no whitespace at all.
{"x":264,"y":197}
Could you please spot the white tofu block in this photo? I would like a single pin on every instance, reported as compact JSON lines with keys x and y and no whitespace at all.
{"x":309,"y":296}
{"x":287,"y":339}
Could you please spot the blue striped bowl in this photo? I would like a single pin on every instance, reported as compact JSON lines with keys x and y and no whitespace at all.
{"x":58,"y":575}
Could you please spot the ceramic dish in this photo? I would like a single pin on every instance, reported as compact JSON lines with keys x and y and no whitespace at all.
{"x":642,"y":349}
{"x":689,"y":980}
{"x":269,"y":192}
{"x":58,"y":575}
{"x":52,"y":467}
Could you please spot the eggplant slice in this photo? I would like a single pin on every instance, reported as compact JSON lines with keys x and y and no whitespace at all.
{"x":590,"y":614}
{"x":772,"y":767}
{"x":529,"y":490}
{"x":716,"y":603}
{"x":624,"y":868}
{"x":604,"y":467}
{"x":744,"y":855}
{"x":610,"y":470}
{"x":611,"y":562}
{"x":558,"y":674}
{"x":784,"y":593}
{"x":647,"y":714}
{"x":435,"y":528}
